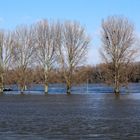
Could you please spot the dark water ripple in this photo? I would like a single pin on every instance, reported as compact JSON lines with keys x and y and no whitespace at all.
{"x":92,"y":116}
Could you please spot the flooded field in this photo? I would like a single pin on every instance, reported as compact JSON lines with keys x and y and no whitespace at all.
{"x":62,"y":117}
{"x":76,"y":89}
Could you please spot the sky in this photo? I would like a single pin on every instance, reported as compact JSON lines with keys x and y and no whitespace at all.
{"x":89,"y":13}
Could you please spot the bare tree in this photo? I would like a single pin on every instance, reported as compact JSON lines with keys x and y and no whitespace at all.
{"x":23,"y":51}
{"x":118,"y":50}
{"x":72,"y":50}
{"x":5,"y":55}
{"x":46,"y":46}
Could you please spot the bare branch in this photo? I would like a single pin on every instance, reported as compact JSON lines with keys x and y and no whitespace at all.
{"x":117,"y":48}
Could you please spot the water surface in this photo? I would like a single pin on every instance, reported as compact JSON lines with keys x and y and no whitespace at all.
{"x":76,"y":89}
{"x":62,"y":117}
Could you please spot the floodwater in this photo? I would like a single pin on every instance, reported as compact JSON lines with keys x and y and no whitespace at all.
{"x":78,"y":116}
{"x":77,"y":89}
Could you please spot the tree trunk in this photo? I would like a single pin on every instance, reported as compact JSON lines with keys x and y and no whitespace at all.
{"x":46,"y":88}
{"x":1,"y":84}
{"x":116,"y":90}
{"x":117,"y":87}
{"x":68,"y":89}
{"x":22,"y":90}
{"x":46,"y":84}
{"x":116,"y":80}
{"x":69,"y":81}
{"x":68,"y":85}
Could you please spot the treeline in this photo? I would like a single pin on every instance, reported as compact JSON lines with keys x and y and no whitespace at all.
{"x":55,"y":52}
{"x":83,"y":74}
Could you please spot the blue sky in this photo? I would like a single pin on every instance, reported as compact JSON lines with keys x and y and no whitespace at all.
{"x":88,"y":12}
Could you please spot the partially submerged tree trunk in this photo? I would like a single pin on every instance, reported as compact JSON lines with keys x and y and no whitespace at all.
{"x":21,"y":90}
{"x":1,"y":84}
{"x":68,"y":89}
{"x":116,"y":80}
{"x":68,"y":86}
{"x":69,"y":80}
{"x":46,"y":83}
{"x":46,"y":88}
{"x":117,"y":88}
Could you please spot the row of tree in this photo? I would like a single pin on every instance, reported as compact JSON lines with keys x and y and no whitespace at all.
{"x":56,"y":50}
{"x":44,"y":44}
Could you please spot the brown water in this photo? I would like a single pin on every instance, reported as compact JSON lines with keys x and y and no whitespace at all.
{"x":91,"y":116}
